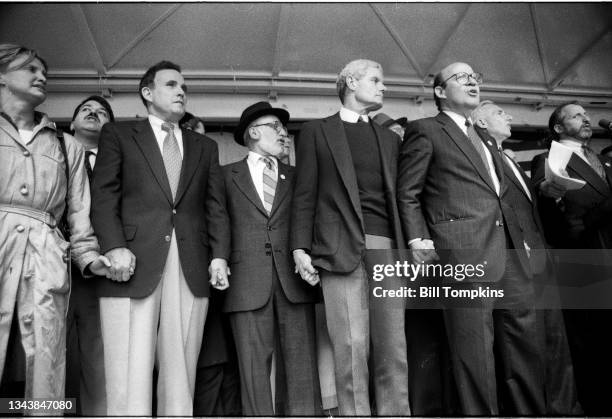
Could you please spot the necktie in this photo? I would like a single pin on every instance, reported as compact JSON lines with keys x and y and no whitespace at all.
{"x":88,"y":155}
{"x":172,"y":157}
{"x":594,"y":161}
{"x":269,"y":184}
{"x":480,"y":148}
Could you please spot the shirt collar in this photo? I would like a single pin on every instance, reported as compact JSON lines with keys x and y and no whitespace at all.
{"x":157,"y":122}
{"x":348,"y":115}
{"x":572,"y":143}
{"x":457,"y":119}
{"x":254,"y":158}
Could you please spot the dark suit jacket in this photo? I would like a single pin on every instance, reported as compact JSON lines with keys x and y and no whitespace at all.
{"x":528,"y":226}
{"x":255,"y":244}
{"x":445,"y":193}
{"x":326,"y":218}
{"x":132,"y":206}
{"x":586,"y":212}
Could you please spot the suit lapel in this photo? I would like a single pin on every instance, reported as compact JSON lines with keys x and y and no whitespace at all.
{"x":242,"y":178}
{"x":385,"y":155}
{"x":335,"y":136}
{"x":145,"y":139}
{"x":588,"y":174}
{"x":512,"y":176}
{"x":464,"y":144}
{"x":192,"y":150}
{"x":282,"y":187}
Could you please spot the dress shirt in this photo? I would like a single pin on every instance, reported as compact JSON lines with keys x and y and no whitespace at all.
{"x":348,"y":115}
{"x":458,"y":119}
{"x":516,"y":172}
{"x":256,"y":168}
{"x":26,"y":135}
{"x":576,"y":147}
{"x":92,"y":156}
{"x":160,"y":134}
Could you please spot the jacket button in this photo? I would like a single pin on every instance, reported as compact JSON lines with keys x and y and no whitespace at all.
{"x":27,"y":319}
{"x":268,"y":253}
{"x":499,"y":223}
{"x":26,"y":153}
{"x":269,"y":228}
{"x":20,"y":228}
{"x":173,"y":210}
{"x":23,"y":190}
{"x":167,"y":238}
{"x":268,"y":245}
{"x":65,"y":258}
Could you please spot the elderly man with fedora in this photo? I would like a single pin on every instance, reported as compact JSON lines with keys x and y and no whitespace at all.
{"x":267,"y":301}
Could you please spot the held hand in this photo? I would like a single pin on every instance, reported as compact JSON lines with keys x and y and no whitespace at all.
{"x":101,"y":267}
{"x":550,"y":189}
{"x":303,"y":266}
{"x":219,"y":272}
{"x":423,"y":251}
{"x":123,"y":264}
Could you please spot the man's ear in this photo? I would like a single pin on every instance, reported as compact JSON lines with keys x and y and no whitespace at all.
{"x":146,"y":93}
{"x":439,"y":92}
{"x":351,"y":82}
{"x":72,"y":126}
{"x":558,"y":128}
{"x":481,"y":123}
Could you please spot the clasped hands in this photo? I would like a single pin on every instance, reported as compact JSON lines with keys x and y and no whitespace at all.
{"x":303,"y":266}
{"x":219,"y":274}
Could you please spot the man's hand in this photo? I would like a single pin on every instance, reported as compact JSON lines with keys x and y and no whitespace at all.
{"x":101,"y":267}
{"x":423,"y":251}
{"x":123,"y":264}
{"x":219,"y":272}
{"x":550,"y":189}
{"x":303,"y":266}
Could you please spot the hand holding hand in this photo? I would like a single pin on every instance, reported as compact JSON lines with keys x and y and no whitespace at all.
{"x":219,"y":272}
{"x":123,"y":264}
{"x":424,"y":251}
{"x":101,"y":267}
{"x":303,"y":266}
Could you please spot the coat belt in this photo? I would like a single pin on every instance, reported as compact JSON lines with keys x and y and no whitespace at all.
{"x":42,"y":216}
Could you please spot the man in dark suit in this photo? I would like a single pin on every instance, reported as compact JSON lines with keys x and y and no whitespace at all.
{"x":583,"y":224}
{"x":84,"y":348}
{"x":266,"y":299}
{"x":151,"y":190}
{"x":521,"y":197}
{"x":450,"y":188}
{"x":344,"y":203}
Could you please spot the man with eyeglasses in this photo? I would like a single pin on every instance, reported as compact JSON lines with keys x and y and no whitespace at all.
{"x":343,"y":205}
{"x":450,"y":188}
{"x":84,"y":352}
{"x":266,"y":300}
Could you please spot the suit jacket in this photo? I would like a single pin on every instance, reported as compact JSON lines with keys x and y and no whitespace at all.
{"x":326,"y":217}
{"x":586,"y":213}
{"x":132,"y":206}
{"x":254,"y":243}
{"x":527,"y":227}
{"x":446,"y":194}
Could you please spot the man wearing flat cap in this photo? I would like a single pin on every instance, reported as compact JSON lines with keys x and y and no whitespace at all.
{"x":267,"y":301}
{"x":84,"y":352}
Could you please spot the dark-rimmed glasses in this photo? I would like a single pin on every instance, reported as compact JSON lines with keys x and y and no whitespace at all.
{"x":463,"y":78}
{"x":276,"y":126}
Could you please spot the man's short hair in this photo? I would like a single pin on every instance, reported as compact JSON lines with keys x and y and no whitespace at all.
{"x":190,"y":121}
{"x":148,"y":78}
{"x":101,"y":101}
{"x":438,"y":81}
{"x":356,"y":69}
{"x":479,"y":110}
{"x":10,"y":52}
{"x":555,"y":118}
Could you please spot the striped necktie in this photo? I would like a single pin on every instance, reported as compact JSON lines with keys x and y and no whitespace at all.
{"x":269,"y":183}
{"x":172,"y":157}
{"x":594,"y":161}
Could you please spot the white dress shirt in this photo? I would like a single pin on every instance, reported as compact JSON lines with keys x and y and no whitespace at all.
{"x":256,"y":168}
{"x":576,"y":147}
{"x":160,"y":134}
{"x":512,"y":165}
{"x":348,"y":115}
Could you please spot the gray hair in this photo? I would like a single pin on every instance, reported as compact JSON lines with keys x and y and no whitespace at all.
{"x":356,"y":69}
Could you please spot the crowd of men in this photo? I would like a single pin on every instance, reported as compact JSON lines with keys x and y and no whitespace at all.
{"x":194,"y":287}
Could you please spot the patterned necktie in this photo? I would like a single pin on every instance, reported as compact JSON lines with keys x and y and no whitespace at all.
{"x":269,"y":184}
{"x":172,"y":157}
{"x":480,"y":148}
{"x":88,"y":154}
{"x":595,"y":163}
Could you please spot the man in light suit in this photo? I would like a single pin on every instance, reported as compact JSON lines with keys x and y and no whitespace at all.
{"x":521,"y":197}
{"x":450,"y":188}
{"x":151,"y":190}
{"x":266,"y":300}
{"x":584,"y":224}
{"x":344,"y":203}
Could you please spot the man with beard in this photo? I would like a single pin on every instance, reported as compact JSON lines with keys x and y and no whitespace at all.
{"x":84,"y":352}
{"x":584,"y":223}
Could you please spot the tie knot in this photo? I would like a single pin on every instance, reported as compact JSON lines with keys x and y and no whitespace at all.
{"x":268,"y":162}
{"x":167,"y":126}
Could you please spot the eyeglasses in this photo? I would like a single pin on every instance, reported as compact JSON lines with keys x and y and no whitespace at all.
{"x":276,"y":126}
{"x":463,"y":78}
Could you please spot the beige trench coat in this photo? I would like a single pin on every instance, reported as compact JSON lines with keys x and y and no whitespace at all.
{"x":33,"y":271}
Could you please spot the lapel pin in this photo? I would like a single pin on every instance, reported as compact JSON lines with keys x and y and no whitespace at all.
{"x":490,"y":143}
{"x":607,"y":164}
{"x":282,"y":176}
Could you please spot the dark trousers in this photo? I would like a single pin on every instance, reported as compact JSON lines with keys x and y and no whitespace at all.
{"x":255,"y":333}
{"x":474,"y":334}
